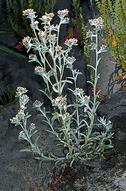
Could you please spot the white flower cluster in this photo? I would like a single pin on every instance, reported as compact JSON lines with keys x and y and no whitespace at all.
{"x":60,"y":102}
{"x":97,"y":23}
{"x":78,"y":92}
{"x":29,"y":13}
{"x":82,"y":99}
{"x":63,"y":15}
{"x":47,"y":18}
{"x":71,"y":42}
{"x":39,"y":70}
{"x":23,"y":101}
{"x":21,"y":90}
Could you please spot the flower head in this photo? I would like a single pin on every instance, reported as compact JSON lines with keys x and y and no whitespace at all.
{"x":37,"y":104}
{"x":29,"y":13}
{"x":52,"y":38}
{"x":82,"y":99}
{"x":98,"y":22}
{"x":47,"y":17}
{"x":107,"y":124}
{"x":18,"y":118}
{"x":71,"y":42}
{"x":21,"y":114}
{"x":85,"y":100}
{"x":26,"y":41}
{"x":63,"y":13}
{"x":59,"y":102}
{"x":42,"y":34}
{"x":39,"y":70}
{"x":66,"y":117}
{"x":58,"y":48}
{"x":24,"y":99}
{"x":21,"y":90}
{"x":70,"y":61}
{"x":102,"y":49}
{"x":78,"y":92}
{"x":32,"y":126}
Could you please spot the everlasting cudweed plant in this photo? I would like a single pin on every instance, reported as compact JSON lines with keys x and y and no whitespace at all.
{"x":81,"y":133}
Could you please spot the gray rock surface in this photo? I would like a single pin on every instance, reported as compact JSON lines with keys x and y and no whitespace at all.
{"x":18,"y":72}
{"x":114,"y":109}
{"x":114,"y":106}
{"x":2,"y":12}
{"x":19,"y":171}
{"x":106,"y":68}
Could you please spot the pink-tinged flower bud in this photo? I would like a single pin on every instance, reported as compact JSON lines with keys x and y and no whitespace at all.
{"x":29,"y":13}
{"x":71,"y":42}
{"x":26,"y":41}
{"x":63,"y":13}
{"x":47,"y":17}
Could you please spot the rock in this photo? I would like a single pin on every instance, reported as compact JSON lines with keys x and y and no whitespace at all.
{"x":114,"y":109}
{"x":5,"y":116}
{"x":19,"y":171}
{"x":18,"y":72}
{"x":114,"y":106}
{"x":121,"y":181}
{"x":2,"y":10}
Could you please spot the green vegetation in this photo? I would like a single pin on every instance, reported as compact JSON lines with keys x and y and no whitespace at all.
{"x":14,"y":13}
{"x":114,"y":16}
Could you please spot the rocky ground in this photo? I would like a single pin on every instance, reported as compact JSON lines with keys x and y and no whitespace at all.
{"x":19,"y":171}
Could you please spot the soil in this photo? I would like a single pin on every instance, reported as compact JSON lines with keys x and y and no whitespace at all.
{"x":20,"y":171}
{"x":97,"y":175}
